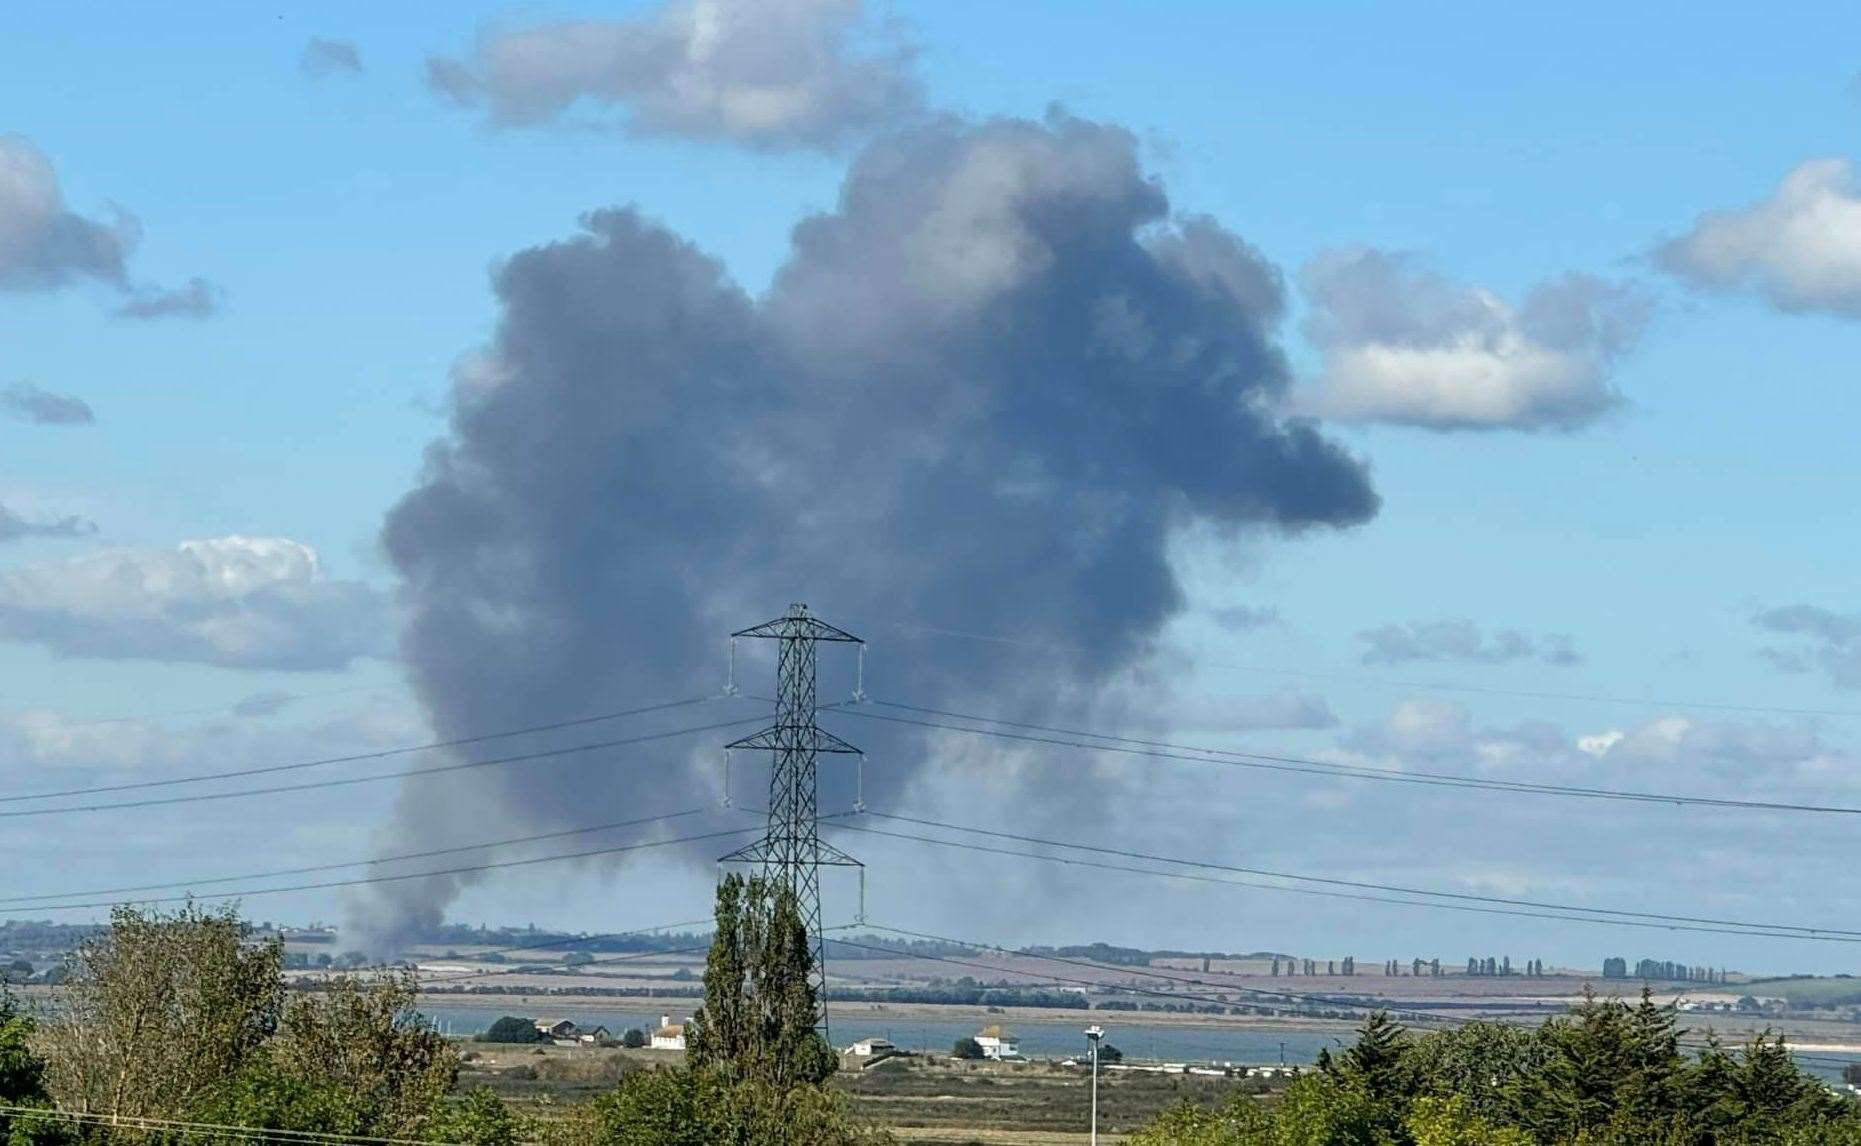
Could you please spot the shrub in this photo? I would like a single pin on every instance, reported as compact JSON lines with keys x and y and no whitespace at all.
{"x":511,"y":1029}
{"x":686,"y":1107}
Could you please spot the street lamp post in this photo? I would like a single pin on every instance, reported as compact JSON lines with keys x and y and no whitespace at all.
{"x":1093,"y":1035}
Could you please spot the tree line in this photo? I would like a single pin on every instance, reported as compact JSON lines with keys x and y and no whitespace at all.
{"x":1610,"y":1074}
{"x":1616,"y":967}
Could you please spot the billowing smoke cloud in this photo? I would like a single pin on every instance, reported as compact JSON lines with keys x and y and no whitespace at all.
{"x":985,"y":391}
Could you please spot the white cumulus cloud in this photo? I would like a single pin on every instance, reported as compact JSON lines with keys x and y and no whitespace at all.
{"x":1401,"y":344}
{"x":1799,"y":248}
{"x":235,"y":601}
{"x":767,"y":73}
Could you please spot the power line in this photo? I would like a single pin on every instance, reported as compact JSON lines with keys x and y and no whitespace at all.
{"x":1759,"y":928}
{"x":546,"y":754}
{"x":1301,"y":765}
{"x":1418,"y":685}
{"x":365,"y":880}
{"x":1463,"y":907}
{"x":378,"y":754}
{"x":278,"y":873}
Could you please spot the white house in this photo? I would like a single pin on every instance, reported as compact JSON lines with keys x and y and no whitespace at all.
{"x":997,"y":1043}
{"x":670,"y":1035}
{"x":867,"y":1048}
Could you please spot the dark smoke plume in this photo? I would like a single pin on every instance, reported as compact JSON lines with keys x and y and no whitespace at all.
{"x":985,"y":391}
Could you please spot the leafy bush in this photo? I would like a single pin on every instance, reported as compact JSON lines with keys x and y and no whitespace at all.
{"x":686,"y":1107}
{"x":478,"y":1119}
{"x":966,"y":1047}
{"x":635,"y":1038}
{"x":266,"y":1096}
{"x":22,"y":1085}
{"x":511,"y":1029}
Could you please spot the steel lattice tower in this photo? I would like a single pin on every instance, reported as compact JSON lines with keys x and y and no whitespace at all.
{"x":791,"y":851}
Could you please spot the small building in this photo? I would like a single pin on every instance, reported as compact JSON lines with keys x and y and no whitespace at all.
{"x":592,"y":1036}
{"x":869,"y":1048}
{"x":997,"y":1043}
{"x":669,"y":1035}
{"x":559,"y":1031}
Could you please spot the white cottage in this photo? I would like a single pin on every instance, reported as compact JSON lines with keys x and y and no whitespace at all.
{"x":997,"y":1043}
{"x":669,"y":1035}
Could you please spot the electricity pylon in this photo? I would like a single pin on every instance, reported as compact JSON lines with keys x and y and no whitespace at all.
{"x":791,"y":850}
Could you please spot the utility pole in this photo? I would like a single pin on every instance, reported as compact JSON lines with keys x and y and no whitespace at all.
{"x":791,"y":851}
{"x":1094,"y":1035}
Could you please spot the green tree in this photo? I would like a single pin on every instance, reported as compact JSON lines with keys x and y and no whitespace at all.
{"x":1482,"y":1063}
{"x":364,"y":1038}
{"x":782,"y":981}
{"x":759,"y":1012}
{"x":1648,"y":1100}
{"x":511,"y":1029}
{"x":160,"y":1011}
{"x":724,"y":1029}
{"x":479,"y":1119}
{"x":1451,"y":1122}
{"x":635,"y":1038}
{"x":966,"y":1048}
{"x":1316,"y":1110}
{"x":265,"y":1096}
{"x":22,"y":1083}
{"x":1372,"y":1074}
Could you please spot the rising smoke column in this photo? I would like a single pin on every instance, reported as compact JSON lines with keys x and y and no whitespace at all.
{"x":985,"y":391}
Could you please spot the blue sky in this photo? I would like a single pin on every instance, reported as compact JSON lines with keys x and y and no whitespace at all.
{"x":349,"y":222}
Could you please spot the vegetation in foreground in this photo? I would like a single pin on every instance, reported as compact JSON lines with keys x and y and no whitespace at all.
{"x":176,"y":1026}
{"x":1609,"y":1075}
